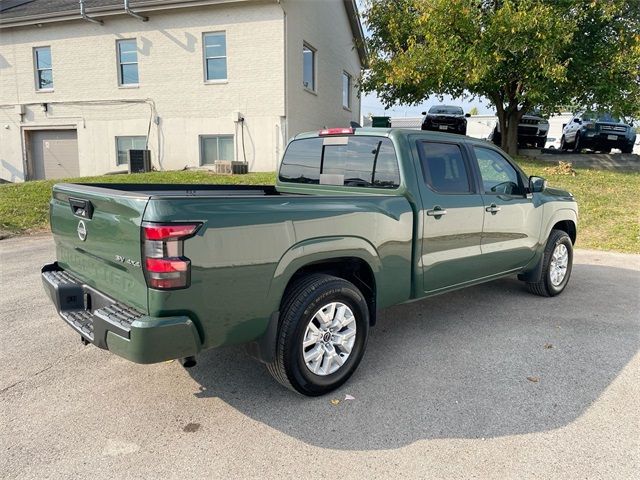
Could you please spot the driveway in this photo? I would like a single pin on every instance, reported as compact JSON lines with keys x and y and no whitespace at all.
{"x":488,"y":382}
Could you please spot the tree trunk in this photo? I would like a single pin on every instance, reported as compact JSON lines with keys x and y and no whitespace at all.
{"x":509,"y":129}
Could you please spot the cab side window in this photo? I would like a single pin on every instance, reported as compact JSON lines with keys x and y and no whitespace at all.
{"x":498,"y":175}
{"x":444,"y":168}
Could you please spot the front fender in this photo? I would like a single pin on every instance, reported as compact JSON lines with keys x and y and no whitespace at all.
{"x":558,"y":215}
{"x":316,"y":250}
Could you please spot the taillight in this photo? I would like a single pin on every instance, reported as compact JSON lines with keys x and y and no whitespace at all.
{"x":165,"y":265}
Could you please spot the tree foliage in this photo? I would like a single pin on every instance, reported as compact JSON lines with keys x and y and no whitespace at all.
{"x":519,"y":54}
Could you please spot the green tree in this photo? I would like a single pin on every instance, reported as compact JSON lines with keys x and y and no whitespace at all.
{"x":473,"y":111}
{"x":520,"y":54}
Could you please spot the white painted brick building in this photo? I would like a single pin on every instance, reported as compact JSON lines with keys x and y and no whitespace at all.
{"x":74,"y":93}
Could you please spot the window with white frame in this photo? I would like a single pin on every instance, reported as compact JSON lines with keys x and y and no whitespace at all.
{"x":215,"y":56}
{"x":309,"y":67}
{"x":127,"y":62}
{"x":346,"y":90}
{"x":124,"y":144}
{"x":43,"y":67}
{"x":215,"y":147}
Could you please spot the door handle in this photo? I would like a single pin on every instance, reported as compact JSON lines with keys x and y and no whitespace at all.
{"x":436,"y":212}
{"x":493,"y":208}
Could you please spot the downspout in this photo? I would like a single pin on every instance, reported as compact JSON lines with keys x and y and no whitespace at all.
{"x":84,"y":16}
{"x":284,"y":126}
{"x":133,"y":14}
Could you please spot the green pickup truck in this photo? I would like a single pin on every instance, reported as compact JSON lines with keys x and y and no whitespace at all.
{"x":358,"y":220}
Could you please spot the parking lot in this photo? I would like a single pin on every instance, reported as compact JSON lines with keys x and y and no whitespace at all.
{"x":488,"y":382}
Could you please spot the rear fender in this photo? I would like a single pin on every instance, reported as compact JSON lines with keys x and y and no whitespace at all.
{"x":298,"y":256}
{"x":316,"y":250}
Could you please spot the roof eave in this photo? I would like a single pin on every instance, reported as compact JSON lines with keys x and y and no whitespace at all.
{"x":358,"y":33}
{"x":111,"y":10}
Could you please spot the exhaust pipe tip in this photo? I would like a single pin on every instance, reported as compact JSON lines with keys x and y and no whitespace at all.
{"x":188,"y":362}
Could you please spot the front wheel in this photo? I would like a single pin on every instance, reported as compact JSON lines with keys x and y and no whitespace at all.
{"x":322,"y":334}
{"x":577,"y":144}
{"x":557,"y":262}
{"x":627,"y":149}
{"x":563,"y":144}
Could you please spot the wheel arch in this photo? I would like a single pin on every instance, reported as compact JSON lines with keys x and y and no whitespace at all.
{"x":351,"y":258}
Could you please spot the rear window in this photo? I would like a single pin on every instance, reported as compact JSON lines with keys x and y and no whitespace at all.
{"x":353,"y":161}
{"x":446,"y":109}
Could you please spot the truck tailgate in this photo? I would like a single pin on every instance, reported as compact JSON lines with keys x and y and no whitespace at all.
{"x":97,"y":235}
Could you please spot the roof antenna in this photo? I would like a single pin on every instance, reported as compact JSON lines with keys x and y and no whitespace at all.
{"x":83,"y":14}
{"x":133,"y":14}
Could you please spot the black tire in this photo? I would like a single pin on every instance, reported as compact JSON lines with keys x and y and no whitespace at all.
{"x":496,"y":137}
{"x":627,"y":149}
{"x":541,"y":143}
{"x":577,"y":144}
{"x":301,"y":302}
{"x":606,"y":150}
{"x":545,"y":286}
{"x":563,"y":144}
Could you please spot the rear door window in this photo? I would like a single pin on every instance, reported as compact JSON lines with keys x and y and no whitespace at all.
{"x":353,"y":161}
{"x":444,"y":168}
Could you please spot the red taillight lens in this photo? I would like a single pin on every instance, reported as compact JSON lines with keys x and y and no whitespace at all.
{"x":167,"y":232}
{"x":165,"y":265}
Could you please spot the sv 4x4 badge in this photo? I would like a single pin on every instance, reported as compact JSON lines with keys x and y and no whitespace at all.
{"x":128,"y":261}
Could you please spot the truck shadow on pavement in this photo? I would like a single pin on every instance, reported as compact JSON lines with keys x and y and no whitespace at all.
{"x":484,"y":362}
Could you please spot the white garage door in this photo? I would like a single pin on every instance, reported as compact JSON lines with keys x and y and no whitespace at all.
{"x":54,"y":154}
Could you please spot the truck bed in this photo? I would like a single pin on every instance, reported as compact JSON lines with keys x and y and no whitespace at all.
{"x":180,"y":190}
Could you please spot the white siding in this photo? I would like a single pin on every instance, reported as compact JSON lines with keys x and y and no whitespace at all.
{"x":171,"y":74}
{"x":325,"y":26}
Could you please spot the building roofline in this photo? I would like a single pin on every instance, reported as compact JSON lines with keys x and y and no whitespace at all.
{"x":106,"y":11}
{"x":358,"y":33}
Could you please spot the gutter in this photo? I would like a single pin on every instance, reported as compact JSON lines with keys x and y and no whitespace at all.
{"x":141,"y":6}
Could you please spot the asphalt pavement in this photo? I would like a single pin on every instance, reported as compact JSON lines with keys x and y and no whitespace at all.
{"x":488,"y":382}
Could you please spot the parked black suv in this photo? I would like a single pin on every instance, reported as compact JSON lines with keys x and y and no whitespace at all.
{"x":445,"y":118}
{"x":532,"y":131}
{"x":597,"y":131}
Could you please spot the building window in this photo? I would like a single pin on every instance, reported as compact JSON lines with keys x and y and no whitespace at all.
{"x":309,"y":67}
{"x":44,"y":68}
{"x":215,"y":147}
{"x":346,"y":90}
{"x":215,"y":56}
{"x":124,"y":144}
{"x":127,"y":62}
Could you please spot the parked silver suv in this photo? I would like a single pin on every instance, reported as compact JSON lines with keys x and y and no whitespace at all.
{"x":597,"y":131}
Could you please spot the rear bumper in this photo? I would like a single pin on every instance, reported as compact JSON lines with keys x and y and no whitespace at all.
{"x":113,"y":326}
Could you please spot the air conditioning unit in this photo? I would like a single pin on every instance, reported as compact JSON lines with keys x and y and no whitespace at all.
{"x":139,"y":161}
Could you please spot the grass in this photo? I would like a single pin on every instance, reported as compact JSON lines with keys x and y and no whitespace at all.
{"x":609,"y":201}
{"x":24,"y":207}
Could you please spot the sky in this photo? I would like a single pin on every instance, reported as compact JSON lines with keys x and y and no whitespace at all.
{"x":371,"y":103}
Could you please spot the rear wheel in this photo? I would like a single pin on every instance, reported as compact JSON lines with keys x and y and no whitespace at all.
{"x":627,"y":149}
{"x":557,"y":262}
{"x":606,"y":150}
{"x":322,"y":335}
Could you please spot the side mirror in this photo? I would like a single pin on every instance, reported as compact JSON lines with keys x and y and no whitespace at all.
{"x":577,"y":120}
{"x":537,"y":184}
{"x":468,"y":115}
{"x":424,"y":113}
